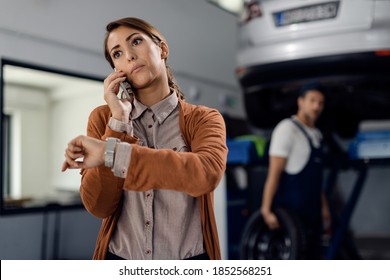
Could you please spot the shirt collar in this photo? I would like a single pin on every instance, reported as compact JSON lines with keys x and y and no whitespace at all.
{"x":161,"y":110}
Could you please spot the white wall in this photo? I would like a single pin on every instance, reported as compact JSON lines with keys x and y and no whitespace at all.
{"x":201,"y":37}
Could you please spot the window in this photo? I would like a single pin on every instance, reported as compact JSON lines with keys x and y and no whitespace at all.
{"x":7,"y":119}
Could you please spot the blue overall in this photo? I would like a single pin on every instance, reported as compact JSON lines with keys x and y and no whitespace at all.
{"x":301,"y":194}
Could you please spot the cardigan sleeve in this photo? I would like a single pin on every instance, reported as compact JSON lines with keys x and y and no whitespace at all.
{"x":100,"y":190}
{"x":196,"y":172}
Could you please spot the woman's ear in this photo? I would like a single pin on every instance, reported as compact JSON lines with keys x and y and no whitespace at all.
{"x":164,"y":50}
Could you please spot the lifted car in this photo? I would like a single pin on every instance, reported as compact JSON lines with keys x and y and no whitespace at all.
{"x":343,"y":44}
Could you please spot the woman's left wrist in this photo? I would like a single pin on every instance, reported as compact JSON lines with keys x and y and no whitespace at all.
{"x":109,"y":154}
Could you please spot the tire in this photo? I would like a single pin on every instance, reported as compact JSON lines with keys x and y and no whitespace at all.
{"x":260,"y":243}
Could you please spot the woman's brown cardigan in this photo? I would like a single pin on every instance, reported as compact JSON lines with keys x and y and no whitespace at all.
{"x":196,"y":173}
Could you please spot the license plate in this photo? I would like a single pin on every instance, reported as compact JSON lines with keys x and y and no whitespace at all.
{"x":308,"y":13}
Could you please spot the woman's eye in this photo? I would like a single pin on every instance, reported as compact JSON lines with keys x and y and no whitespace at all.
{"x":116,"y":54}
{"x":136,"y":41}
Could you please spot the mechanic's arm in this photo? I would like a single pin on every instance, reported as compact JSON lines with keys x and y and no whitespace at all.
{"x":276,"y":167}
{"x":326,"y":216}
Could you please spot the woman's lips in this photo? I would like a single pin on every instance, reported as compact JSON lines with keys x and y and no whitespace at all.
{"x":136,"y":68}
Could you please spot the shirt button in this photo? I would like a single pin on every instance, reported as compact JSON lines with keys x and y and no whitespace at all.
{"x":175,"y":149}
{"x":150,"y":126}
{"x":147,"y":223}
{"x":148,"y":195}
{"x":148,"y":252}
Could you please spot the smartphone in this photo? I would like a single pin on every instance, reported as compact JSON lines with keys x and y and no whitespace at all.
{"x":125,"y":90}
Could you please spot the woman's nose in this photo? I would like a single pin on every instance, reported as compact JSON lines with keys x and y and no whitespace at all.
{"x":130,"y":55}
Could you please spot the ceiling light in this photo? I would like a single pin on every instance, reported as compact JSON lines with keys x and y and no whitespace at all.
{"x":232,"y":6}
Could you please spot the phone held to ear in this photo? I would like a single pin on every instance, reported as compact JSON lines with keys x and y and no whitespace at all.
{"x":126,"y":91}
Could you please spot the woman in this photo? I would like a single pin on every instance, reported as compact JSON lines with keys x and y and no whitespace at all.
{"x":152,"y":181}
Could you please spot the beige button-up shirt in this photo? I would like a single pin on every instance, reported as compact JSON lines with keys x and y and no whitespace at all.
{"x":157,"y":224}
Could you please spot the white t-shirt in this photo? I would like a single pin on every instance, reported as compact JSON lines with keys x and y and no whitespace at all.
{"x":288,"y":141}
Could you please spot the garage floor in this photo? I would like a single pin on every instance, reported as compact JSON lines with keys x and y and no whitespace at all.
{"x":373,"y":248}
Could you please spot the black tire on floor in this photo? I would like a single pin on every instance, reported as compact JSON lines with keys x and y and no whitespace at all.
{"x":260,"y":243}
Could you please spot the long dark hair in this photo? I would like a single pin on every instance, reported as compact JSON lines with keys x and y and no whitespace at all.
{"x":149,"y":30}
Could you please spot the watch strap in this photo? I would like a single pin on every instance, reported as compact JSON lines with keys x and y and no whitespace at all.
{"x":109,"y":155}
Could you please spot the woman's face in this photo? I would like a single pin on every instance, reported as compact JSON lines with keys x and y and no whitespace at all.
{"x":136,"y":54}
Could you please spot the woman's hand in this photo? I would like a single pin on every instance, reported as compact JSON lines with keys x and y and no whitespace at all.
{"x":90,"y":149}
{"x":120,"y":108}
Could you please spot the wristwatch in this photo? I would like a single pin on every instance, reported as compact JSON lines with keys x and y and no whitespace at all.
{"x":109,"y":155}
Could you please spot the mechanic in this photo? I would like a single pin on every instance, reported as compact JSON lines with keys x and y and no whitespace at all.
{"x":294,"y":179}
